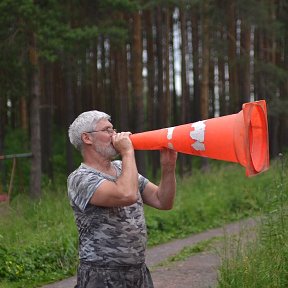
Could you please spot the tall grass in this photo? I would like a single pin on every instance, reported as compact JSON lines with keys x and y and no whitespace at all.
{"x":264,"y":263}
{"x":38,"y":241}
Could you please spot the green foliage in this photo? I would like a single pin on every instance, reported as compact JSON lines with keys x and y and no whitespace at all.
{"x":265,"y":262}
{"x":55,"y":21}
{"x":37,"y":262}
{"x":16,"y":141}
{"x":119,"y":5}
{"x":41,"y":242}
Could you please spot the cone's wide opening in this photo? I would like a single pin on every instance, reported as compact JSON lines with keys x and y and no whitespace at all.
{"x":258,"y":139}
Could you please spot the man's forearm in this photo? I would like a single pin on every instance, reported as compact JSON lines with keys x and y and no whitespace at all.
{"x":167,"y":188}
{"x":128,"y":181}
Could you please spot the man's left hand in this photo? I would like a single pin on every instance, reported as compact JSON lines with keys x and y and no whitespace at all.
{"x":168,"y":157}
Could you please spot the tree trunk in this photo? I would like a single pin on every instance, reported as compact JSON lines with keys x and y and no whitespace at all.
{"x":223,"y":107}
{"x":166,"y":111}
{"x":284,"y":94}
{"x":234,"y":102}
{"x":23,"y":113}
{"x":150,"y":70}
{"x":174,"y":110}
{"x":58,"y":94}
{"x":205,"y":72}
{"x":196,"y":73}
{"x":113,"y":101}
{"x":185,"y":96}
{"x":69,"y":114}
{"x":153,"y":156}
{"x":121,"y":80}
{"x":184,"y":85}
{"x":3,"y":112}
{"x":258,"y":57}
{"x":160,"y":72}
{"x":46,"y":120}
{"x":35,"y":172}
{"x":211,"y":91}
{"x":245,"y":52}
{"x":104,"y":76}
{"x":205,"y":67}
{"x":94,"y":76}
{"x":137,"y":84}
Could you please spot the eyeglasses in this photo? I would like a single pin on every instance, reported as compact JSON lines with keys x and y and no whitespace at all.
{"x":108,"y":130}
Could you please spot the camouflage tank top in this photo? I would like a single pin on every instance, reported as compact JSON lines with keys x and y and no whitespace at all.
{"x":107,"y":236}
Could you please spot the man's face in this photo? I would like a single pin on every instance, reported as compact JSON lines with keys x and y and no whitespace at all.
{"x":102,"y":139}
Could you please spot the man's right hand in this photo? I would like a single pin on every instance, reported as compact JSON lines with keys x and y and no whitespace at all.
{"x":122,"y":143}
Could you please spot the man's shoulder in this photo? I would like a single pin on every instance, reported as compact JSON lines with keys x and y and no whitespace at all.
{"x":76,"y":171}
{"x":80,"y":171}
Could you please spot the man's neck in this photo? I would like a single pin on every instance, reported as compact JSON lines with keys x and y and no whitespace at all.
{"x":99,"y":163}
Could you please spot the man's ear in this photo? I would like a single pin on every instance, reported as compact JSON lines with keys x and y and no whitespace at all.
{"x":86,"y":138}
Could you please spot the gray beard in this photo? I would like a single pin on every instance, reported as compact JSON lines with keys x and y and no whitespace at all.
{"x":107,"y":152}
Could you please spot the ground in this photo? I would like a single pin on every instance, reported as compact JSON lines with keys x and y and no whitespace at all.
{"x":197,"y":271}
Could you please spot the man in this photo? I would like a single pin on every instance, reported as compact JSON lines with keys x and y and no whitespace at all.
{"x":107,"y":199}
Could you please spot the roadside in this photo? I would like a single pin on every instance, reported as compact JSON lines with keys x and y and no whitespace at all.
{"x":197,"y":271}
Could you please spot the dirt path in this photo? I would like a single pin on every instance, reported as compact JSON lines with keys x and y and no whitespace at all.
{"x":198,"y":271}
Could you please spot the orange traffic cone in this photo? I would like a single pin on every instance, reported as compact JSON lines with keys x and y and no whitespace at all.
{"x":240,"y":138}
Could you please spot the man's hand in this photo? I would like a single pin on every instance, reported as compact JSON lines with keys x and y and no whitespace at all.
{"x":168,"y":158}
{"x":122,"y":143}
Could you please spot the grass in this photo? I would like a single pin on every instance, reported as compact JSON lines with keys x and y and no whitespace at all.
{"x":264,"y":262}
{"x":38,"y":241}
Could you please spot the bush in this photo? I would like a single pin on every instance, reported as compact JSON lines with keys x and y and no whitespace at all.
{"x":45,"y":262}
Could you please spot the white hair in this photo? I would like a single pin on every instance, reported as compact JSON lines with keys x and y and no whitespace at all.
{"x":85,"y":122}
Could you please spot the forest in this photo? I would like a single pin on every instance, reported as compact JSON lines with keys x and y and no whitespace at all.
{"x":149,"y":64}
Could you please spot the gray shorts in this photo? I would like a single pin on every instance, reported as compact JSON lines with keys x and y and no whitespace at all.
{"x":92,"y":276}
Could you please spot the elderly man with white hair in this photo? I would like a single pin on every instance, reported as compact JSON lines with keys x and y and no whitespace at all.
{"x":107,"y":198}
